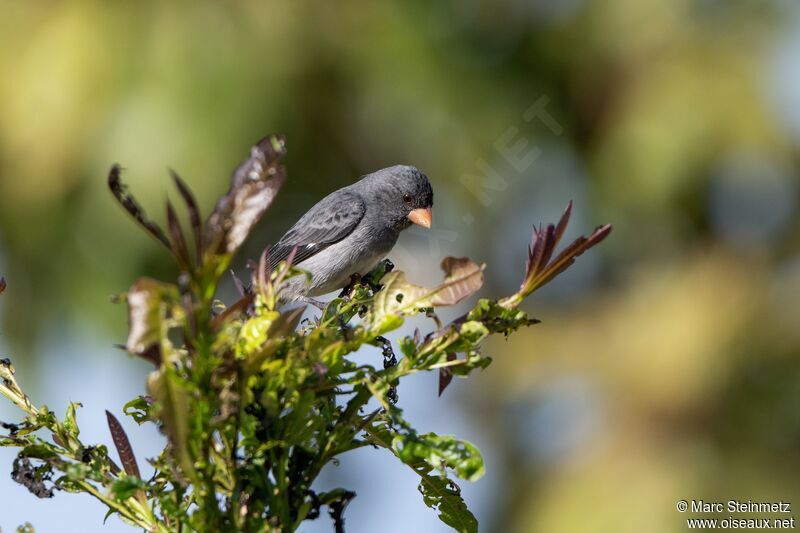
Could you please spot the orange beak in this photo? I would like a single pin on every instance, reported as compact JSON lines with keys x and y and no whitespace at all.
{"x":421,"y":217}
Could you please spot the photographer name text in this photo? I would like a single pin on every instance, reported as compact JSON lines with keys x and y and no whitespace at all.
{"x":737,"y":506}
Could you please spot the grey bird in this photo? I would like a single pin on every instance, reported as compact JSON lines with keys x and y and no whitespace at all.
{"x":349,"y":231}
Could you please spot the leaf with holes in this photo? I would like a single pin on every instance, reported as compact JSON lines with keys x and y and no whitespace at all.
{"x":440,"y":452}
{"x":173,"y":410}
{"x":463,"y":278}
{"x":444,"y":496}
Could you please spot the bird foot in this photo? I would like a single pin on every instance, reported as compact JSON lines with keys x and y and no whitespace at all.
{"x":371,"y":279}
{"x":355,"y":279}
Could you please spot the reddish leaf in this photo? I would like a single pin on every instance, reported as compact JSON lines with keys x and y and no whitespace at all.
{"x":562,"y":223}
{"x":541,"y":250}
{"x":180,"y":250}
{"x":194,"y":213}
{"x":263,"y":268}
{"x":540,"y":269}
{"x":129,"y":203}
{"x":445,"y":375}
{"x":123,"y":446}
{"x":287,"y":265}
{"x":240,"y":288}
{"x":572,"y":252}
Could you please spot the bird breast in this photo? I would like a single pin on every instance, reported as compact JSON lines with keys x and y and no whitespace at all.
{"x":358,"y":253}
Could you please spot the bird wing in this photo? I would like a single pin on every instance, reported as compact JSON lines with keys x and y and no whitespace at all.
{"x":328,"y":222}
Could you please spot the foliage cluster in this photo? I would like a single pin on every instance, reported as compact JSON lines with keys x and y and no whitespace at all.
{"x":255,"y":402}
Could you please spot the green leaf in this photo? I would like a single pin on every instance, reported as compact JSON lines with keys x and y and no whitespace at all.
{"x":70,"y":422}
{"x":438,"y":492}
{"x":379,"y":388}
{"x":499,"y":319}
{"x":138,"y":409}
{"x":465,"y":366}
{"x":440,"y":452}
{"x":386,"y":323}
{"x":254,"y":333}
{"x":261,"y":336}
{"x":173,"y":410}
{"x":300,"y":421}
{"x":128,"y":486}
{"x":442,"y":495}
{"x":473,"y":332}
{"x":408,"y":346}
{"x":39,"y":451}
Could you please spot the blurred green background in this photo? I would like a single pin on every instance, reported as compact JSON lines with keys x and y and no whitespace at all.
{"x":667,"y":364}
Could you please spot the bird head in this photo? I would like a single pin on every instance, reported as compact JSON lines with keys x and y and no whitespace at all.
{"x":404,"y":194}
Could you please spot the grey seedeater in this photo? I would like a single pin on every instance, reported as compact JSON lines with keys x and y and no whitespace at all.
{"x":352,"y":229}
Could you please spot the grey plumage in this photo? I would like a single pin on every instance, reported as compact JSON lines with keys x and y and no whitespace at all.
{"x":352,"y":229}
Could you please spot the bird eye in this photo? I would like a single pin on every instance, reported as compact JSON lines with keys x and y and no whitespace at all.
{"x":407,"y":198}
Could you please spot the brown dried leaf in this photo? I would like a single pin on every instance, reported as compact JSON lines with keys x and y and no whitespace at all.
{"x":253,"y":188}
{"x":148,"y":301}
{"x":463,"y":278}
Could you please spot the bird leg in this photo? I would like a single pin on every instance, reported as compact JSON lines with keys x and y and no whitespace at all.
{"x":316,"y":303}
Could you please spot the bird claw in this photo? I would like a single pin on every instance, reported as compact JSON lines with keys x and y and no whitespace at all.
{"x":371,"y":280}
